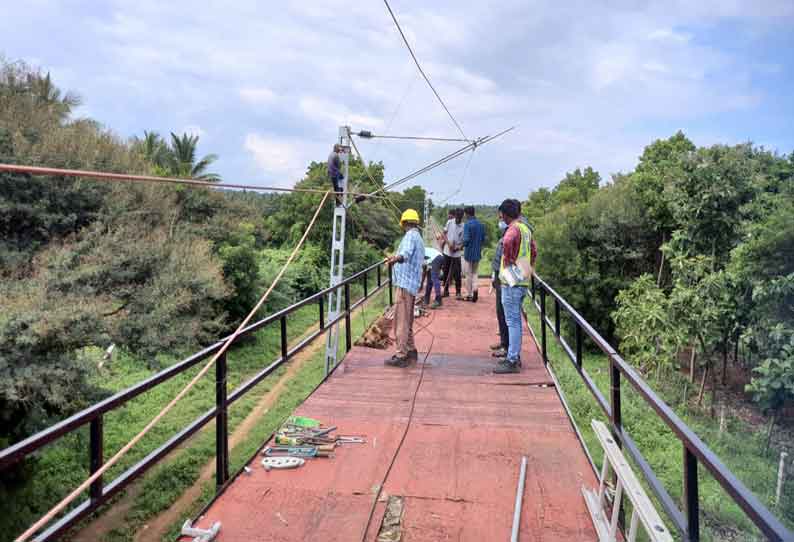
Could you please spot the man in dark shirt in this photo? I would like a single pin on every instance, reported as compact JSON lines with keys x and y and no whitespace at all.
{"x":473,"y":238}
{"x":335,"y":172}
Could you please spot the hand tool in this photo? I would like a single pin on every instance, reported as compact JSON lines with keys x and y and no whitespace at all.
{"x":282,"y":462}
{"x":351,"y":440}
{"x":298,"y":451}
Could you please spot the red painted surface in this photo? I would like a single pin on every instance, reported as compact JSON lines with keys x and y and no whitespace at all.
{"x":458,"y":467}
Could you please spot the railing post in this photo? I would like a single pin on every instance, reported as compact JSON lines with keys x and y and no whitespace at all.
{"x":96,"y":458}
{"x":348,"y":331}
{"x":365,"y":285}
{"x":221,"y":424}
{"x":579,"y":341}
{"x":284,"y":338}
{"x":379,"y":279}
{"x":532,"y":286}
{"x":322,"y":312}
{"x":391,"y":285}
{"x":691,"y":506}
{"x":543,"y":325}
{"x":614,"y":394}
{"x":557,"y":317}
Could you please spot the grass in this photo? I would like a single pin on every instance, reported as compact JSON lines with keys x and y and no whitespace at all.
{"x":63,"y":465}
{"x":740,"y":446}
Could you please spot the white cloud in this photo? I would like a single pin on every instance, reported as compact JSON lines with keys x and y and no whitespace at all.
{"x":195,"y":130}
{"x":281,"y":160}
{"x":258,"y":95}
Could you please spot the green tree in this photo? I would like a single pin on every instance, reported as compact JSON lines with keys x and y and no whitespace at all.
{"x":181,"y":159}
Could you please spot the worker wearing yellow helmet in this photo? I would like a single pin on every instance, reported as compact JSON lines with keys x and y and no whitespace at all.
{"x":407,"y":277}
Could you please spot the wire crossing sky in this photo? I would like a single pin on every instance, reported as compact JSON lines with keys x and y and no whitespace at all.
{"x":588,"y":83}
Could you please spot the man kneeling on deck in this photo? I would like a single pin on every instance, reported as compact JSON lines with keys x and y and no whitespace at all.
{"x":407,"y":276}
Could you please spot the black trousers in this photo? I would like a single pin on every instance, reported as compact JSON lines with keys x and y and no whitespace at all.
{"x":451,"y":272}
{"x":504,"y":337}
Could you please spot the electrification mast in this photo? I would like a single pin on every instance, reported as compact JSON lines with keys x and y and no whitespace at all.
{"x":338,"y":254}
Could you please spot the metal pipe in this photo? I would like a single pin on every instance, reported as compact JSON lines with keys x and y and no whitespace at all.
{"x":519,"y":499}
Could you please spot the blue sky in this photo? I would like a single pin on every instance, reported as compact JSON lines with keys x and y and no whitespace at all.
{"x":266,"y":85}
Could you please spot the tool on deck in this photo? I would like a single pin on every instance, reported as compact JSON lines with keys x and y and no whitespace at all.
{"x":285,"y":462}
{"x":298,"y":451}
{"x":302,"y":421}
{"x":201,"y":535}
{"x":351,"y":440}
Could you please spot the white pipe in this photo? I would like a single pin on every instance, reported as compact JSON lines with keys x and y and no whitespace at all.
{"x":519,"y":499}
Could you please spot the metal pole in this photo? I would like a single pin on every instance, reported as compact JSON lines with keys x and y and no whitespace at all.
{"x":348,"y":331}
{"x":519,"y":499}
{"x":338,"y":253}
{"x":691,"y":506}
{"x":579,"y":341}
{"x":283,"y":338}
{"x":543,"y":325}
{"x":781,"y":476}
{"x":96,"y":458}
{"x":391,"y":286}
{"x":221,"y":424}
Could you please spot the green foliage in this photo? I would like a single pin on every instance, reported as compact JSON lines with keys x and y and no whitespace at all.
{"x":240,"y":269}
{"x":649,"y":335}
{"x":773,"y":381}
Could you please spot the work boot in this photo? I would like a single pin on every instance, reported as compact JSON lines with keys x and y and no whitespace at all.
{"x":413,"y":355}
{"x":458,"y":297}
{"x":506,"y":367}
{"x":474,"y":297}
{"x":396,"y":361}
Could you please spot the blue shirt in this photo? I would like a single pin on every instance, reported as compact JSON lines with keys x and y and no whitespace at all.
{"x":408,"y":275}
{"x":473,"y":238}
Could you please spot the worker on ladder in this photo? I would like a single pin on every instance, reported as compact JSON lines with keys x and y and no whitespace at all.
{"x":335,"y":174}
{"x":407,"y":276}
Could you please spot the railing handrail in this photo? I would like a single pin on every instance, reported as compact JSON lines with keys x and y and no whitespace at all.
{"x":18,"y":451}
{"x":739,"y":493}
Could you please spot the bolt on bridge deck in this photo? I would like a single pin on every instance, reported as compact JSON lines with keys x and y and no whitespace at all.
{"x":457,"y":469}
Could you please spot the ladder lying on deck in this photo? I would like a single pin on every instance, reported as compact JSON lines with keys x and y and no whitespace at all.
{"x":627,"y":484}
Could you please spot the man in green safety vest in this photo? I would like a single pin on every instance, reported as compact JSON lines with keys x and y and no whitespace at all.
{"x":515,"y":274}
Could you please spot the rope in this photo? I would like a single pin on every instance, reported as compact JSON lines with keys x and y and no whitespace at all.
{"x":104,"y":176}
{"x":394,"y":18}
{"x":74,"y":494}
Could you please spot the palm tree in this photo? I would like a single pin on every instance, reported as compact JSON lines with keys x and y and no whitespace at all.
{"x":182,"y":159}
{"x":154,"y":149}
{"x":48,"y":94}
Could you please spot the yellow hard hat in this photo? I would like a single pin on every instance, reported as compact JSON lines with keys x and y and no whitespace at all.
{"x":409,"y":216}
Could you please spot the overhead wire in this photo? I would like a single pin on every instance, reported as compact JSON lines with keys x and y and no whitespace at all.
{"x":463,"y":150}
{"x":127,"y":177}
{"x":113,"y":460}
{"x":427,"y":79}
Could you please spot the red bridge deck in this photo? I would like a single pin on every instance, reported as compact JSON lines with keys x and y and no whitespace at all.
{"x":458,"y":467}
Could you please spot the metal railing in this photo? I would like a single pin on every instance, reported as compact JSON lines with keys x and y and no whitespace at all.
{"x":694,"y":450}
{"x":99,"y":491}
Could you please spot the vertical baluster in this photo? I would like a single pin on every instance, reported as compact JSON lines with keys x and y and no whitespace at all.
{"x":543,"y":325}
{"x":221,"y":424}
{"x":348,"y":331}
{"x":691,"y":506}
{"x":96,"y":458}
